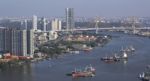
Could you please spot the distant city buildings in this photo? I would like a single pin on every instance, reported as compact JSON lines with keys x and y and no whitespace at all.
{"x":24,"y":24}
{"x":17,"y":42}
{"x":40,"y":38}
{"x":42,"y":24}
{"x":56,"y":25}
{"x":70,"y":23}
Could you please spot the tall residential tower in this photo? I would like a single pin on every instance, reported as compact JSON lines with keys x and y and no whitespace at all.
{"x":30,"y":43}
{"x":17,"y":42}
{"x":70,"y":24}
{"x":43,"y":24}
{"x":34,"y":22}
{"x":13,"y":41}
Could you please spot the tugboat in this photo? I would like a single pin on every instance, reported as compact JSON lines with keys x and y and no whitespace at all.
{"x":89,"y":71}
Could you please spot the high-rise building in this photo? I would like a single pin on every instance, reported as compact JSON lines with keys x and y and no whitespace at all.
{"x":16,"y":41}
{"x":30,"y":42}
{"x":70,"y":24}
{"x":2,"y":39}
{"x":56,"y":25}
{"x":34,"y":22}
{"x":43,"y":24}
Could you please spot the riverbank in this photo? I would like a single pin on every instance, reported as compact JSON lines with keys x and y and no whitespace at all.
{"x":57,"y":49}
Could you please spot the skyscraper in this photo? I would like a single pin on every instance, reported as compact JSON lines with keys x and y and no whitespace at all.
{"x":56,"y":25}
{"x":34,"y":22}
{"x":70,"y":18}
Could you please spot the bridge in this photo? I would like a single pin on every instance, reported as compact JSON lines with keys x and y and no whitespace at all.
{"x":107,"y":28}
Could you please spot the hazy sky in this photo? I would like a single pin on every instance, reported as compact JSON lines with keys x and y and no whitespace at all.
{"x":56,"y":8}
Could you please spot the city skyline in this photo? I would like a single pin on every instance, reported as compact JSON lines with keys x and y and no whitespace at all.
{"x":55,"y":8}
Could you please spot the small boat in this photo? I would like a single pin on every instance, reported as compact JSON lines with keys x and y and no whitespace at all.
{"x":111,"y":59}
{"x":145,"y":76}
{"x":74,"y":52}
{"x":132,"y":48}
{"x":116,"y":56}
{"x":128,"y":49}
{"x":87,"y":49}
{"x":122,"y":49}
{"x":89,"y":71}
{"x":125,"y":55}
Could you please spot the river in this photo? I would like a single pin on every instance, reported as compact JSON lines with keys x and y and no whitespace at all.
{"x":56,"y":69}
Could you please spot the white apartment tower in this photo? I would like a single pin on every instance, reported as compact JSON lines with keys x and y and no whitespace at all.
{"x":56,"y":25}
{"x":34,"y":22}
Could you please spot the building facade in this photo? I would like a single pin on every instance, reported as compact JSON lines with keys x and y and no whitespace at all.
{"x":16,"y":42}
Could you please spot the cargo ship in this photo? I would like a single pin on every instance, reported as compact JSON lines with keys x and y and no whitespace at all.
{"x":89,"y":71}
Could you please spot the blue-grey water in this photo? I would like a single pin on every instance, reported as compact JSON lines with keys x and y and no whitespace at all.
{"x":56,"y":69}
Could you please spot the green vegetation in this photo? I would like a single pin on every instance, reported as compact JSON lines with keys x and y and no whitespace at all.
{"x":53,"y":48}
